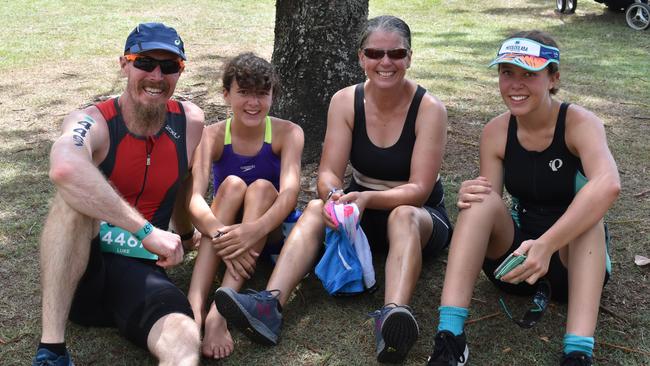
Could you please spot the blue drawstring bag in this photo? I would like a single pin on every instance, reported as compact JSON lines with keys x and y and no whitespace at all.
{"x":339,"y":269}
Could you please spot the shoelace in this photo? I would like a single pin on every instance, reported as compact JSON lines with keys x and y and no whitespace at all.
{"x":263,"y":297}
{"x":447,"y":347}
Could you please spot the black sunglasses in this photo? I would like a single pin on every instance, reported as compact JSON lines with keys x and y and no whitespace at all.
{"x":394,"y":54}
{"x":534,"y":314}
{"x":149,"y":64}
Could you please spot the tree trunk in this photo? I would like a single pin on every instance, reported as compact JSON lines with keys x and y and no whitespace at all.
{"x":315,"y":55}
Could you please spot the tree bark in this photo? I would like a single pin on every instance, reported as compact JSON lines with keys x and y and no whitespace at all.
{"x":315,"y":55}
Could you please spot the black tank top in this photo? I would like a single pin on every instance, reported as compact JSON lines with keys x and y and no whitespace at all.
{"x":392,"y":163}
{"x":542,"y":183}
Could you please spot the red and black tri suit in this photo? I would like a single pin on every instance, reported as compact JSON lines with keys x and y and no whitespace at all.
{"x":133,"y":293}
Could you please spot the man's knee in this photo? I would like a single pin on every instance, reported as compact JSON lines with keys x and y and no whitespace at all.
{"x":63,"y":216}
{"x":66,"y":226}
{"x":175,"y":340}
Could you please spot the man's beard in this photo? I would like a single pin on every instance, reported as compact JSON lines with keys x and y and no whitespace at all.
{"x":151,"y":115}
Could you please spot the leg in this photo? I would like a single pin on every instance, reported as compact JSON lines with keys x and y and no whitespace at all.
{"x":225,"y":207}
{"x":585,"y":262}
{"x":150,"y":311}
{"x":586,"y":266}
{"x":174,"y":339}
{"x":65,"y":246}
{"x":299,"y":252}
{"x":258,"y":314}
{"x":409,"y":229}
{"x":485,"y":229}
{"x":217,"y":341}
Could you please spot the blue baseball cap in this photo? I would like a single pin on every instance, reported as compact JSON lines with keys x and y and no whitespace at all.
{"x":154,"y":36}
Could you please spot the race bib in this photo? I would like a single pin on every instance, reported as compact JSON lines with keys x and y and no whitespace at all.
{"x":116,"y":240}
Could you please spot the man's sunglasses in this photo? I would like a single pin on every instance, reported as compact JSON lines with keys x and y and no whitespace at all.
{"x":394,"y":54}
{"x":149,"y":64}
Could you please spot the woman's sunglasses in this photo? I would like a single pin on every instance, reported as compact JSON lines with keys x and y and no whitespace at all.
{"x":149,"y":64}
{"x":394,"y":54}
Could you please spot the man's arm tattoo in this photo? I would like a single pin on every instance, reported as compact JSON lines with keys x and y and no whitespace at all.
{"x":79,"y":133}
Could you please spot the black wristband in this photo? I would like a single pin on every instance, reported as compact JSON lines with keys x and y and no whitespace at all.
{"x":187,"y":236}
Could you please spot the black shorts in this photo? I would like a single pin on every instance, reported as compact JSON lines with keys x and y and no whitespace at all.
{"x":375,"y":224}
{"x":128,"y":293}
{"x":557,"y":275}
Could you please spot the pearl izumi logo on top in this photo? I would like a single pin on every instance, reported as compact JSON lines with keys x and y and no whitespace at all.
{"x":246,"y":168}
{"x":555,"y":164}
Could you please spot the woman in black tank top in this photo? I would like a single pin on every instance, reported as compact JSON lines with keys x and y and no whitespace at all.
{"x":554,"y":161}
{"x":394,"y":134}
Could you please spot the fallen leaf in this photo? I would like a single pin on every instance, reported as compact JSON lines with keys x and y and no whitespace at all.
{"x":545,"y":339}
{"x":506,"y":350}
{"x":641,"y":260}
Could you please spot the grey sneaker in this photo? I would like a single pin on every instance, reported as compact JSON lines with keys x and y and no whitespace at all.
{"x":254,"y":313}
{"x":396,"y":331}
{"x":449,"y":350}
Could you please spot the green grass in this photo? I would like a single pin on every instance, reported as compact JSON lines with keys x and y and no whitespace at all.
{"x":56,"y":56}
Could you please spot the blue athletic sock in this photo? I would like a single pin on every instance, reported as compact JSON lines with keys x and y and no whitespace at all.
{"x":452,"y":318}
{"x":574,"y":342}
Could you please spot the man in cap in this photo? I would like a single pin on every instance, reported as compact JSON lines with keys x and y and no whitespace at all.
{"x":119,"y":168}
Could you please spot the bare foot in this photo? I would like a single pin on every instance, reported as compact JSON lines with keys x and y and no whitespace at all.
{"x":217,"y":342}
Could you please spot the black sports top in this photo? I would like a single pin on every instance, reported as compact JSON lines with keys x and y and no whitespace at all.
{"x":392,"y":163}
{"x":542,"y":182}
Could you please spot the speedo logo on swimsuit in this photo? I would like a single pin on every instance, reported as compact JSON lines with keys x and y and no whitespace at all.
{"x":555,"y":164}
{"x":247,"y":168}
{"x":172,"y":132}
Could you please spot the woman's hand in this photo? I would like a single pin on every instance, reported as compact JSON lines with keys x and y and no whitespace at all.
{"x":538,"y":256}
{"x":333,"y":196}
{"x":358,"y":198}
{"x":472,"y":191}
{"x":243,"y":265}
{"x":235,"y":240}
